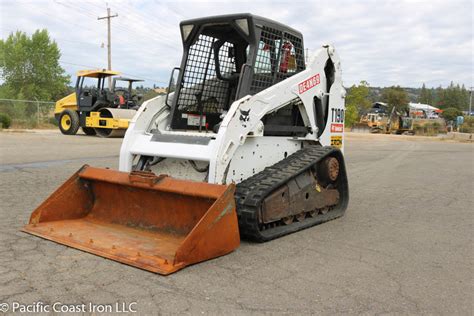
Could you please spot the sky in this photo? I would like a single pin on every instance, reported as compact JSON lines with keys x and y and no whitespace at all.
{"x":385,"y":43}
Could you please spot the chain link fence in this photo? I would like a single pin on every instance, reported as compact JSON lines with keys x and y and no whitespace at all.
{"x":28,"y":113}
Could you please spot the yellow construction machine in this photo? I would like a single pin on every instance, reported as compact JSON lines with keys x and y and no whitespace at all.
{"x":252,"y":138}
{"x":96,"y":109}
{"x":372,"y":122}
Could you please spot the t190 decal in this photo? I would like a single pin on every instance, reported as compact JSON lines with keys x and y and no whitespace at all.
{"x":337,"y":115}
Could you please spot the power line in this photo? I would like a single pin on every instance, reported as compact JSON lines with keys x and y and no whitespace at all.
{"x":78,"y":65}
{"x":148,"y":31}
{"x":85,"y":12}
{"x":124,"y":73}
{"x":151,"y":20}
{"x":140,"y":77}
{"x":60,"y":19}
{"x":126,"y":30}
{"x":76,"y":42}
{"x":165,"y":41}
{"x":132,"y":15}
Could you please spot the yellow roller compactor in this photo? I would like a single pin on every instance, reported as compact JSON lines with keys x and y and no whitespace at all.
{"x":250,"y":144}
{"x":97,"y":110}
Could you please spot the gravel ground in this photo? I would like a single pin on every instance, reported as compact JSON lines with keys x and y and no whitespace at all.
{"x":405,"y":245}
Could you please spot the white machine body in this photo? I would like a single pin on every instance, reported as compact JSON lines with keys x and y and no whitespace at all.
{"x":239,"y":149}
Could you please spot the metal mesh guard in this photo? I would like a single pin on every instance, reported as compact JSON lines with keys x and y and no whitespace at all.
{"x":200,"y":77}
{"x":268,"y":68}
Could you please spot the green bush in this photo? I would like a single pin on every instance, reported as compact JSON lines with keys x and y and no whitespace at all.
{"x":5,"y":121}
{"x":53,"y":121}
{"x":428,"y":129}
{"x":418,"y":128}
{"x":468,"y":125}
{"x":450,"y":114}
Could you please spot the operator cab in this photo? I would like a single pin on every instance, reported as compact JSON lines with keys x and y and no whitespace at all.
{"x":226,"y":58}
{"x":125,"y":97}
{"x":90,"y":89}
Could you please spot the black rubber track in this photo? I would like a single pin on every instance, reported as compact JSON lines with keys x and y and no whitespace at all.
{"x":251,"y":193}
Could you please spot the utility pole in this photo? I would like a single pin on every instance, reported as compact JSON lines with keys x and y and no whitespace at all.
{"x":109,"y":42}
{"x":470,"y":101}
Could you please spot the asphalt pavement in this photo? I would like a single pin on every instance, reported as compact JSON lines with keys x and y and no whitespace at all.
{"x":405,"y":245}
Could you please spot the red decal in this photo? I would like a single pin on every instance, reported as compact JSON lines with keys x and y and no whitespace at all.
{"x":309,"y":83}
{"x":337,"y":128}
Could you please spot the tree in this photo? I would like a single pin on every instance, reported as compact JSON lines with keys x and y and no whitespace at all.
{"x":30,"y":67}
{"x":426,"y":97}
{"x":351,"y":115}
{"x":357,"y":101}
{"x":359,"y":96}
{"x":450,"y":114}
{"x":396,"y":97}
{"x":454,"y":96}
{"x":439,"y":97}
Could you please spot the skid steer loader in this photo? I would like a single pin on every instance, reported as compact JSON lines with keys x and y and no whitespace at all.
{"x":251,"y":140}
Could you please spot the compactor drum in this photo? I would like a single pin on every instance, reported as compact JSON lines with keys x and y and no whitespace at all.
{"x":252,"y":139}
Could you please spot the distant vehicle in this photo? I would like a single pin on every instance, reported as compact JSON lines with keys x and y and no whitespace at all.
{"x":374,"y":121}
{"x":401,"y":123}
{"x":97,"y":110}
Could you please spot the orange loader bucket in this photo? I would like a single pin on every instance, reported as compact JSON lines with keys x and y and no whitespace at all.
{"x":156,"y":223}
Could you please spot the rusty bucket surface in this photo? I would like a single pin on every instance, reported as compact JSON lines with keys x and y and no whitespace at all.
{"x":156,"y":223}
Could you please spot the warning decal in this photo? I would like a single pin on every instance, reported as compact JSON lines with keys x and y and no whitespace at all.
{"x":194,"y":119}
{"x":336,"y":141}
{"x":337,"y":128}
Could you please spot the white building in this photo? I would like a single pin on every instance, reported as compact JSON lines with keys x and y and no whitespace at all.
{"x":420,"y":109}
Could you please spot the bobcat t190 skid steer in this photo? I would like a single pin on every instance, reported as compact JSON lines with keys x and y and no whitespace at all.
{"x":251,"y":140}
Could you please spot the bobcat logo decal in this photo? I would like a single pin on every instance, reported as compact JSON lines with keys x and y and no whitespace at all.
{"x":244,"y":117}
